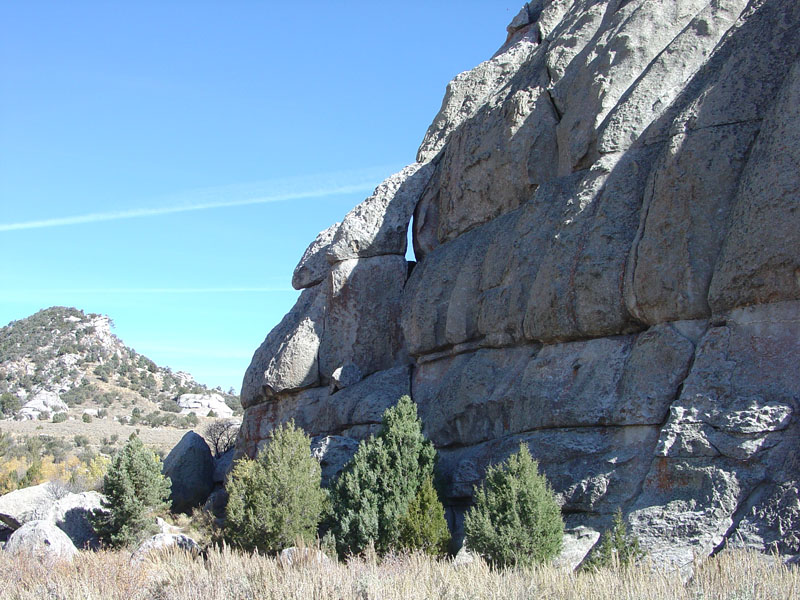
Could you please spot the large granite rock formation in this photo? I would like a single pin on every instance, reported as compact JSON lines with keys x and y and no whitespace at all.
{"x":606,"y":222}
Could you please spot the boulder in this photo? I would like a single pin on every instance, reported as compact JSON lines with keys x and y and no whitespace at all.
{"x":42,"y":402}
{"x":43,"y":540}
{"x":164,"y":542}
{"x":294,"y":556}
{"x":28,"y":504}
{"x":313,"y":267}
{"x":203,"y":404}
{"x":190,"y":466}
{"x":223,"y":466}
{"x":288,"y":358}
{"x":71,"y":515}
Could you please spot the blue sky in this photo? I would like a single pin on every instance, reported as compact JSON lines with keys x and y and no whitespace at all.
{"x":166,"y":163}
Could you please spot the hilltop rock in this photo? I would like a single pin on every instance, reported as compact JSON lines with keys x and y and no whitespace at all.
{"x":203,"y":404}
{"x":190,"y":467}
{"x":605,"y":227}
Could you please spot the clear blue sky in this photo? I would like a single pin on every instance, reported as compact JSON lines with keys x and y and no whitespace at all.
{"x":270,"y":120}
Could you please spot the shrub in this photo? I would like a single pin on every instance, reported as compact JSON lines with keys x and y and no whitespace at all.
{"x":135,"y":491}
{"x":617,"y":548}
{"x":516,"y":519}
{"x":9,"y":404}
{"x":59,"y":417}
{"x":221,"y":435}
{"x":276,"y":498}
{"x":372,"y":495}
{"x":423,"y":526}
{"x":86,"y":418}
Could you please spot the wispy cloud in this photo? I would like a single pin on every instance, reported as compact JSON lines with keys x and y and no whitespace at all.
{"x":152,"y":290}
{"x":282,"y":190}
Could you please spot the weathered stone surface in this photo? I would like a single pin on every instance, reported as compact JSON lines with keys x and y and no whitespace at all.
{"x":362,"y":315}
{"x":761,"y":260}
{"x":345,"y":376}
{"x":204,"y":404}
{"x":288,"y":358}
{"x":626,"y":380}
{"x":470,"y":90}
{"x":165,"y":541}
{"x":314,"y":267}
{"x":379,"y":225}
{"x":333,"y":452}
{"x":732,"y":429}
{"x":41,"y":540}
{"x":353,"y":412}
{"x":28,"y":504}
{"x":684,"y":222}
{"x":591,"y":469}
{"x":607,"y":271}
{"x":191,"y":468}
{"x":223,"y":466}
{"x":71,"y":515}
{"x":577,"y":542}
{"x":42,"y":402}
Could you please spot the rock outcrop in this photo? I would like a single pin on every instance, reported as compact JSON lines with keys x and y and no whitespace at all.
{"x":190,"y":468}
{"x":606,"y":226}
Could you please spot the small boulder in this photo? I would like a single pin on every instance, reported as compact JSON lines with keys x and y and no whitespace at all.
{"x":345,"y":376}
{"x":165,"y":541}
{"x":302,"y":556}
{"x":43,"y":540}
{"x":191,"y":468}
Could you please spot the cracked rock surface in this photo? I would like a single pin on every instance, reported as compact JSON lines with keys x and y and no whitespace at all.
{"x":606,"y":219}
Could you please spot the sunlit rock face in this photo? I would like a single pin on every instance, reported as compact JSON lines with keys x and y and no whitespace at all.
{"x":606,"y":222}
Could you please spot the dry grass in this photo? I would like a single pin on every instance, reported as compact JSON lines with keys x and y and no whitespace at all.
{"x":229,"y":575}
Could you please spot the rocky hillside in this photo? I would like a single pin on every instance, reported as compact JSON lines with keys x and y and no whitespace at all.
{"x":606,"y":222}
{"x":61,"y":360}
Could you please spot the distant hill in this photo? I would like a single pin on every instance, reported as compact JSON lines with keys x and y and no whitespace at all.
{"x":62,"y":363}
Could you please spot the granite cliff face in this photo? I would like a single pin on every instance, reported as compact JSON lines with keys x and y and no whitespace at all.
{"x":606,"y":219}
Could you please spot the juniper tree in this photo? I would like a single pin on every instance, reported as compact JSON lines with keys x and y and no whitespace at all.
{"x":516,"y":519}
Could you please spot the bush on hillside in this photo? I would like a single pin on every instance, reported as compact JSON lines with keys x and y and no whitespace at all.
{"x":135,"y":492}
{"x":276,"y":498}
{"x":516,"y":519}
{"x":372,"y":495}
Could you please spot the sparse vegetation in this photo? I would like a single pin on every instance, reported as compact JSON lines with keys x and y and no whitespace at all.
{"x":516,"y":519}
{"x":227,"y":574}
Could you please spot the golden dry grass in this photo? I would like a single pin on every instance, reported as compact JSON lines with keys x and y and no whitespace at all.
{"x":230,"y":575}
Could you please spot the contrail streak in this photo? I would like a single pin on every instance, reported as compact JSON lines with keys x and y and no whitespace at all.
{"x":366,"y":182}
